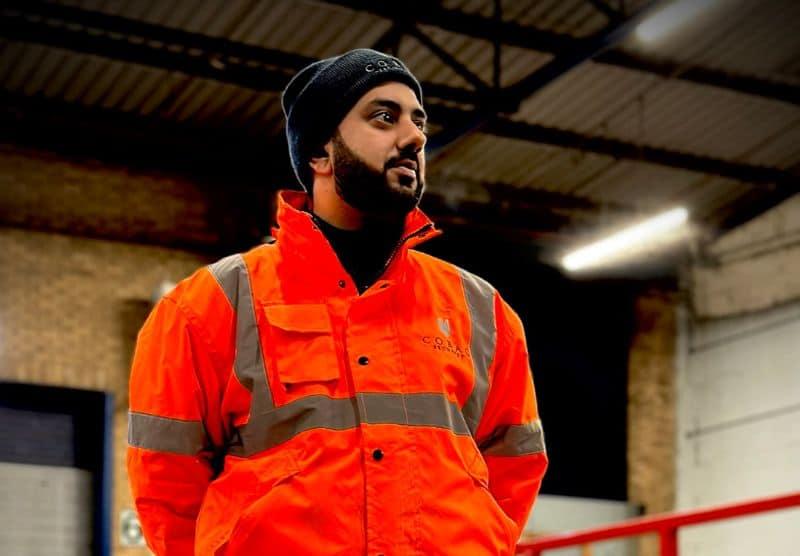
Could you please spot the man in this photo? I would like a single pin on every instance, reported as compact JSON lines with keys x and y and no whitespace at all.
{"x":362,"y":397}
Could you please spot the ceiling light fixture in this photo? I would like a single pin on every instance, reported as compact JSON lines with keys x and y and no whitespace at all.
{"x":627,"y":241}
{"x":671,"y":18}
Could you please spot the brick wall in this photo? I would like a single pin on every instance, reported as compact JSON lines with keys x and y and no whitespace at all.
{"x":43,"y":191}
{"x":70,"y":306}
{"x":651,"y":408}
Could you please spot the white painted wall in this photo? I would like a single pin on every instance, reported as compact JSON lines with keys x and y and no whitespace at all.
{"x":739,"y":428}
{"x":45,"y":510}
{"x":751,"y":268}
{"x":555,"y":514}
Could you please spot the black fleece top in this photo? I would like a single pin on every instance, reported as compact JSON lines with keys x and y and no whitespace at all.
{"x":364,"y":252}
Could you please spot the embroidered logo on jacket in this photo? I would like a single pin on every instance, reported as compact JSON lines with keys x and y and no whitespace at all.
{"x":443,"y":342}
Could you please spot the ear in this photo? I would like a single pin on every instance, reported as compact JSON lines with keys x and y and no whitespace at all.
{"x":321,"y":162}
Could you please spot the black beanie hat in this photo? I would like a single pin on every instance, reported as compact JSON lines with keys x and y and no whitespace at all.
{"x":317,"y":99}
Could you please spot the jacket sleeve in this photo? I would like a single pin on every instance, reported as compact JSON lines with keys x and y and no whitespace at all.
{"x":510,"y":434}
{"x":169,"y":448}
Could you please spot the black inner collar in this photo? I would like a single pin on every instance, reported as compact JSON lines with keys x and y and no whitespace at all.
{"x":363,"y":252}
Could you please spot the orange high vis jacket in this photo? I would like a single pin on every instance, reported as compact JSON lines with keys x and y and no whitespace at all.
{"x":274,"y":410}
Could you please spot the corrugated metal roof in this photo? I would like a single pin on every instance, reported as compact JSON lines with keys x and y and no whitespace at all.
{"x":741,"y":36}
{"x":593,"y":99}
{"x":477,"y":55}
{"x":522,"y":163}
{"x":573,"y":17}
{"x":676,"y":115}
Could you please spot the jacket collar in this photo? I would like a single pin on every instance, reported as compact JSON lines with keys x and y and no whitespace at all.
{"x":300,"y":241}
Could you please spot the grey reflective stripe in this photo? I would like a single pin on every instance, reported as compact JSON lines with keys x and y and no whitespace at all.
{"x":480,"y":301}
{"x":165,"y":435}
{"x":419,"y":410}
{"x":267,"y":430}
{"x":232,"y":276}
{"x":274,"y":427}
{"x":516,"y":440}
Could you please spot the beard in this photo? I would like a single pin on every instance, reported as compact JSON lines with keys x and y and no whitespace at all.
{"x":371,"y":191}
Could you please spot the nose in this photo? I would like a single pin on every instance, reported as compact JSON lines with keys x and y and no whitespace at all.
{"x":411,"y":137}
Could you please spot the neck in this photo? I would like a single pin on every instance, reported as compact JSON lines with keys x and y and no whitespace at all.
{"x":327,"y":205}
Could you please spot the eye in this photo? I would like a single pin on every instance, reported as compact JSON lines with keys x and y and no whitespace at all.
{"x":422,"y":125}
{"x":385,"y":117}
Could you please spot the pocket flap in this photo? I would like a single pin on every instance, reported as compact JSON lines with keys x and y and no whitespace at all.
{"x":299,"y":318}
{"x":301,"y":343}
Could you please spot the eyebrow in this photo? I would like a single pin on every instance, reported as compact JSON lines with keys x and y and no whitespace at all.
{"x":395,"y":106}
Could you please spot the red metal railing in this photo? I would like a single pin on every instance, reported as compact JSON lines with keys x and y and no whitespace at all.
{"x":665,"y":525}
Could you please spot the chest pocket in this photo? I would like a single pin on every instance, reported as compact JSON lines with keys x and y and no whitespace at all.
{"x":301,"y":346}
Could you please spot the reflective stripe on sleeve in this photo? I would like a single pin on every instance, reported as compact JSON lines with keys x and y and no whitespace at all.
{"x":516,"y":440}
{"x":479,"y":295}
{"x":163,"y":434}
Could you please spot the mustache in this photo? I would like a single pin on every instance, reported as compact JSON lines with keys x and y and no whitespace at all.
{"x":404,"y":155}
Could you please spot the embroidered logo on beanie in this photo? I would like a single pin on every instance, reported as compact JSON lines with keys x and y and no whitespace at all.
{"x":383,"y":65}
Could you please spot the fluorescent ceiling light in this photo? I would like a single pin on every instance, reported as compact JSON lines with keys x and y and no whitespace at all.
{"x":626,"y":241}
{"x":670,"y":18}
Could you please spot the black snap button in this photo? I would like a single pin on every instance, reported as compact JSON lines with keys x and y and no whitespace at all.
{"x":363,"y":360}
{"x":342,"y":283}
{"x":377,"y":455}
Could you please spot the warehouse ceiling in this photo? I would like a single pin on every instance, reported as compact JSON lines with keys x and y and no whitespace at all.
{"x":550,"y":120}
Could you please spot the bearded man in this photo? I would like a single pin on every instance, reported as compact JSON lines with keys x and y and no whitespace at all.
{"x":361,"y":396}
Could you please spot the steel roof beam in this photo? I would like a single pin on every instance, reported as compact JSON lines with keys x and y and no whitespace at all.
{"x":640,"y":153}
{"x":549,"y":72}
{"x":446,"y":57}
{"x":581,"y":52}
{"x":502,"y":127}
{"x":53,"y":16}
{"x":139,"y":42}
{"x":611,"y":13}
{"x":773,"y":90}
{"x":523,"y":36}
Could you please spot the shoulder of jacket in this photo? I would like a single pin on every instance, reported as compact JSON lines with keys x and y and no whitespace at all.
{"x":477,"y":289}
{"x":447,"y":268}
{"x":229,"y":271}
{"x":221,"y":276}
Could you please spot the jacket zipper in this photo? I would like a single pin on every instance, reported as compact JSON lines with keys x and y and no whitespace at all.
{"x":420,"y":231}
